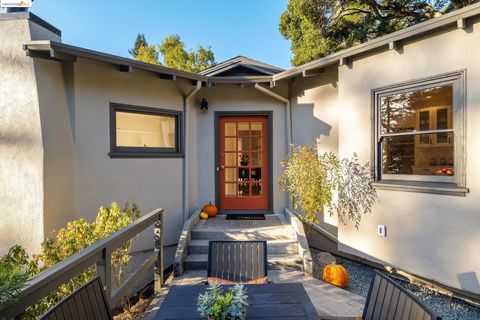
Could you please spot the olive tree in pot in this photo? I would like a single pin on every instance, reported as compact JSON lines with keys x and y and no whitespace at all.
{"x":312,"y":180}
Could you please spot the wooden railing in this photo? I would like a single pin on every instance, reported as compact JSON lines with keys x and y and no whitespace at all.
{"x":98,"y":254}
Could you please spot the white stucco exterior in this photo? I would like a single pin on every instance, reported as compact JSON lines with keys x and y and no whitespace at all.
{"x":55,"y":143}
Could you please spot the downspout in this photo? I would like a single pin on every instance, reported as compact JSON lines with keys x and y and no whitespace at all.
{"x":288,"y":117}
{"x":186,"y":149}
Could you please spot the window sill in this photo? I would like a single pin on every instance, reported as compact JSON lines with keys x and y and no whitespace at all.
{"x":422,"y":187}
{"x":144,"y":155}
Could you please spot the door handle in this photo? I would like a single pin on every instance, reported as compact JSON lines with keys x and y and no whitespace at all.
{"x":221,"y":167}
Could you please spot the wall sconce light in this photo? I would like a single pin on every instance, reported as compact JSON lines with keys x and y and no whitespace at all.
{"x":204,"y":105}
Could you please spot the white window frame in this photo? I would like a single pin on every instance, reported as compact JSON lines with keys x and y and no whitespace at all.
{"x":458,"y":82}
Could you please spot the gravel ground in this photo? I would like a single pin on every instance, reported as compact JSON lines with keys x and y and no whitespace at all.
{"x":360,"y":277}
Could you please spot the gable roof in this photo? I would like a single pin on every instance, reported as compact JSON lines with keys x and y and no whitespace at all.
{"x":242,"y":62}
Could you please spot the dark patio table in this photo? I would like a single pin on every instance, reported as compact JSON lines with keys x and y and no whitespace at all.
{"x":269,"y":301}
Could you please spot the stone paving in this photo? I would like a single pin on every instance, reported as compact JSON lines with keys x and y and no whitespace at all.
{"x":327,"y":299}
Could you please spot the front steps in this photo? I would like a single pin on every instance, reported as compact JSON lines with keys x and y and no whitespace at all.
{"x":282,"y":246}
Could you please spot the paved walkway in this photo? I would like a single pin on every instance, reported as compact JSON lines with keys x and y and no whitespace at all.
{"x":327,"y":299}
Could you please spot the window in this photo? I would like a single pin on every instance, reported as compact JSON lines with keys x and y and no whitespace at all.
{"x":144,"y":132}
{"x":419,"y":130}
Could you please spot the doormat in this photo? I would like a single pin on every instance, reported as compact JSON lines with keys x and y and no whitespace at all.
{"x":245,"y":216}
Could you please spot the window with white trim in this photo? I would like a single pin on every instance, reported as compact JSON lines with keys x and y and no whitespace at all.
{"x":419,"y":130}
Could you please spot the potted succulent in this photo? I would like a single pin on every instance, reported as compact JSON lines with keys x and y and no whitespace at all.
{"x":215,"y":304}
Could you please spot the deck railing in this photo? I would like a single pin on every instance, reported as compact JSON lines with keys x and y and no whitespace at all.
{"x":98,"y":254}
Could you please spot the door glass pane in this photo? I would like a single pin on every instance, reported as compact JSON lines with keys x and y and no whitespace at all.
{"x":230,"y":189}
{"x":243,"y":144}
{"x":256,"y":128}
{"x":400,"y":112}
{"x":256,"y":189}
{"x":244,"y":159}
{"x":230,"y":159}
{"x":231,"y":174}
{"x":256,"y":158}
{"x":243,"y":189}
{"x":404,"y":155}
{"x":243,"y":174}
{"x":257,"y":144}
{"x":256,"y":174}
{"x":145,"y":130}
{"x":243,"y":128}
{"x":230,"y":129}
{"x":230,"y":144}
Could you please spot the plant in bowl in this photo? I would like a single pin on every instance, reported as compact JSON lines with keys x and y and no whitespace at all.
{"x":216,"y":304}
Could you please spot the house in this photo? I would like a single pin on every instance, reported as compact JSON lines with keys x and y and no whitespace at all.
{"x":80,"y":128}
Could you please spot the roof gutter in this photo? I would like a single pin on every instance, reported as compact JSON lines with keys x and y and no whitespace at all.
{"x":186,"y":149}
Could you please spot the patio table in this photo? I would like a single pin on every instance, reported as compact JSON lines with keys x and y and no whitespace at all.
{"x":269,"y":301}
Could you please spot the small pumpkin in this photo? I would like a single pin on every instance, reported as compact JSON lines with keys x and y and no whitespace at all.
{"x":335,"y":274}
{"x":210,"y":209}
{"x":203,"y":215}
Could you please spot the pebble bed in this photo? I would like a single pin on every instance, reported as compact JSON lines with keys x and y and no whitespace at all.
{"x":360,"y":276}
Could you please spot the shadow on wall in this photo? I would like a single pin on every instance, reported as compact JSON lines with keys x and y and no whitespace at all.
{"x":307,"y":128}
{"x":469,"y":280}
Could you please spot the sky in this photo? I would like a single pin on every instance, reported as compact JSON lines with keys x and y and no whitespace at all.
{"x":231,"y":28}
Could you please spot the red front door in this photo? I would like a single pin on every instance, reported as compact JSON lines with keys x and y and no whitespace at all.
{"x":243,"y":163}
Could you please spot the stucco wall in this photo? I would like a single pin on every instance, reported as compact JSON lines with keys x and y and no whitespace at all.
{"x":148,"y":182}
{"x":231,"y":98}
{"x":434,"y":236}
{"x":315,"y":115}
{"x":55,"y":89}
{"x":21,"y":151}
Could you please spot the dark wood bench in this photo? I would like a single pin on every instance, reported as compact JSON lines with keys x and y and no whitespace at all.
{"x":88,"y":302}
{"x":237,"y":261}
{"x":388,"y":300}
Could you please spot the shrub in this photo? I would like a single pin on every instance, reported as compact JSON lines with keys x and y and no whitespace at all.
{"x":311,"y":181}
{"x":14,"y":272}
{"x":78,"y":235}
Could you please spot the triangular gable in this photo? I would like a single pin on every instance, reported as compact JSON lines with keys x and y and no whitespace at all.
{"x":241,"y":66}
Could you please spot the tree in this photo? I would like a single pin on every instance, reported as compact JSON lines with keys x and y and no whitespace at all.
{"x":317,"y":28}
{"x":139,"y":42}
{"x":176,"y":56}
{"x":147,"y":54}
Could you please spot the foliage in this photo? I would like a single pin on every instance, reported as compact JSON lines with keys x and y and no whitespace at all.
{"x":312,"y":181}
{"x":218,"y":305}
{"x":317,"y":28}
{"x":13,"y":275}
{"x":174,"y":54}
{"x":78,"y":235}
{"x":147,"y":54}
{"x":140,"y":41}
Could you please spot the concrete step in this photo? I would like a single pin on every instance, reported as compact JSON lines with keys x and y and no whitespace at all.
{"x":275,"y":261}
{"x":276,"y":233}
{"x":274,"y":247}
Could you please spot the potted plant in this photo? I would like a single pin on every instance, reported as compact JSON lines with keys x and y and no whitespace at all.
{"x":215,"y":304}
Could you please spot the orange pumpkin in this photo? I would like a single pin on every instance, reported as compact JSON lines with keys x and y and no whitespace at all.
{"x":335,"y":274}
{"x":210,"y":209}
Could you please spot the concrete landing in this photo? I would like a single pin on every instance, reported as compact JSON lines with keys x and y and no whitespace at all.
{"x":327,"y":299}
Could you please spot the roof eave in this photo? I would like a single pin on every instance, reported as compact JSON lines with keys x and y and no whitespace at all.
{"x":385,"y":41}
{"x":64,"y":52}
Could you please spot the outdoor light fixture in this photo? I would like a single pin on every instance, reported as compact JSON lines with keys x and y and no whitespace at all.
{"x":204,"y":104}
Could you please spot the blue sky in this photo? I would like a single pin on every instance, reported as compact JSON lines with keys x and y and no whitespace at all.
{"x":231,"y":28}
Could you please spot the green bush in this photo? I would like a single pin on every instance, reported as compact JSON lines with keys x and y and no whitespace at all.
{"x":78,"y":235}
{"x":312,"y":180}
